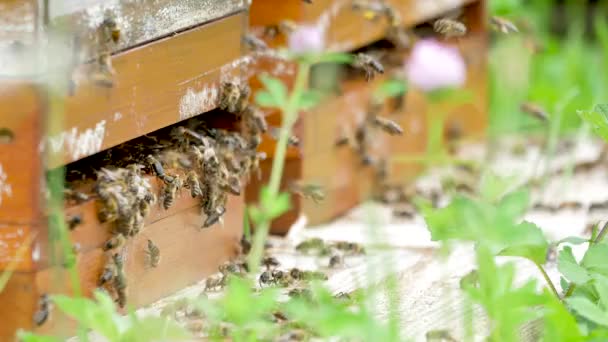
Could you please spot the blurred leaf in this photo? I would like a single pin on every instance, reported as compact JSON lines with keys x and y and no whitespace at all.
{"x":276,"y":88}
{"x":589,"y":310}
{"x":390,"y":88}
{"x":334,"y":57}
{"x":573,"y":240}
{"x":309,"y":99}
{"x":531,"y":244}
{"x":26,"y":336}
{"x":89,"y":314}
{"x":567,"y":265}
{"x":598,"y":119}
{"x":493,"y":187}
{"x":265,"y":99}
{"x":595,"y":259}
{"x":515,"y":203}
{"x":153,"y":328}
{"x":560,"y":325}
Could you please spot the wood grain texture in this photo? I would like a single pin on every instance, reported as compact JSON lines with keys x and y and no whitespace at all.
{"x":155,"y":85}
{"x":21,"y":120}
{"x":344,"y":29}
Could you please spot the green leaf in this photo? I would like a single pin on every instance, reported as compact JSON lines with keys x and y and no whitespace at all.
{"x":90,"y":314}
{"x":515,"y":203}
{"x":598,"y":119}
{"x":567,"y":265}
{"x":280,"y":206}
{"x":333,"y":57}
{"x":493,"y":187}
{"x":309,"y":99}
{"x":276,"y":88}
{"x":573,"y":240}
{"x":589,"y":310}
{"x":530,"y":244}
{"x":560,"y":325}
{"x":153,"y":328}
{"x":390,"y":88}
{"x":265,"y":99}
{"x":600,"y":284}
{"x":26,"y":336}
{"x":595,"y":259}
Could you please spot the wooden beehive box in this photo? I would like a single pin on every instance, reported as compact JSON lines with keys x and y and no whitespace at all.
{"x":346,"y":182}
{"x":167,"y":69}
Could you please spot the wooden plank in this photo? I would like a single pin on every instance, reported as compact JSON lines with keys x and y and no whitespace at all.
{"x":155,"y":85}
{"x":21,"y":171}
{"x":19,"y":299}
{"x":345,"y":29}
{"x":138,"y":22}
{"x":188,"y":254}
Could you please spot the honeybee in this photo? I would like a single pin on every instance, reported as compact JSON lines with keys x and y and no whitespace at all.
{"x":404,"y":211}
{"x":214,"y":217}
{"x":349,"y":247}
{"x":254,"y":43}
{"x":114,"y":242}
{"x":194,"y":184}
{"x":535,"y":111}
{"x":232,"y":185}
{"x":387,"y":125}
{"x":270,"y":262}
{"x":74,"y":221}
{"x":284,"y":27}
{"x":108,"y":273}
{"x":369,"y":64}
{"x":255,"y":119}
{"x":336,"y":261}
{"x":439,"y":335}
{"x":153,"y":254}
{"x":311,"y":191}
{"x":110,"y":29}
{"x":170,"y":191}
{"x":503,"y":25}
{"x":44,"y":310}
{"x":300,"y":292}
{"x":120,"y":280}
{"x":312,"y":244}
{"x":298,"y":274}
{"x":234,"y":96}
{"x":76,"y":196}
{"x":342,"y":140}
{"x":156,"y":166}
{"x":214,"y":282}
{"x":450,"y":27}
{"x":109,"y":210}
{"x":291,"y":141}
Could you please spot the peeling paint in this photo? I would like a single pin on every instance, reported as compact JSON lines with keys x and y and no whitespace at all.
{"x":194,"y":103}
{"x":78,"y":144}
{"x":6,"y":190}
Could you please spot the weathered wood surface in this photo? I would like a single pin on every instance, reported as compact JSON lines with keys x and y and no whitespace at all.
{"x":155,"y":86}
{"x":345,"y":29}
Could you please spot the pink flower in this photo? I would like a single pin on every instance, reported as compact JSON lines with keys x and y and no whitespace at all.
{"x":307,"y":39}
{"x":433,"y":66}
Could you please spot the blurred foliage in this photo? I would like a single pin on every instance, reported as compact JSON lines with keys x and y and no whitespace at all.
{"x":565,"y":65}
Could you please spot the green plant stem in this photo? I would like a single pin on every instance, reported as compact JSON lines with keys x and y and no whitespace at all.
{"x":547,"y":279}
{"x":289,"y":118}
{"x":598,"y":239}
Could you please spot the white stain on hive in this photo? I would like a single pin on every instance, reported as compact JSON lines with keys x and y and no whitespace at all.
{"x":194,"y":103}
{"x":6,"y":190}
{"x":78,"y":144}
{"x":117,"y":116}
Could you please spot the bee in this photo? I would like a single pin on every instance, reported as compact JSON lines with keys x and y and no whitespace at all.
{"x":300,"y":292}
{"x":266,"y":278}
{"x":170,"y":191}
{"x":312,"y":244}
{"x":350,"y":247}
{"x":120,"y":280}
{"x":450,"y":27}
{"x":535,"y":111}
{"x":342,"y":295}
{"x":109,"y":210}
{"x":291,"y":141}
{"x":284,"y":27}
{"x":308,"y":1}
{"x":503,"y":25}
{"x":387,"y":125}
{"x":44,"y":309}
{"x":74,"y":221}
{"x":255,"y":119}
{"x":114,"y":242}
{"x":298,"y":274}
{"x":342,"y":140}
{"x":234,"y":96}
{"x":596,"y":206}
{"x":153,"y":254}
{"x":254,"y":43}
{"x":214,"y":217}
{"x":110,"y":28}
{"x":108,"y":273}
{"x":336,"y":261}
{"x":370,"y":65}
{"x":194,"y":184}
{"x":439,"y":335}
{"x":214,"y":282}
{"x":156,"y":166}
{"x":270,"y":262}
{"x":76,"y":196}
{"x":232,"y":185}
{"x":311,"y":191}
{"x":404,"y":211}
